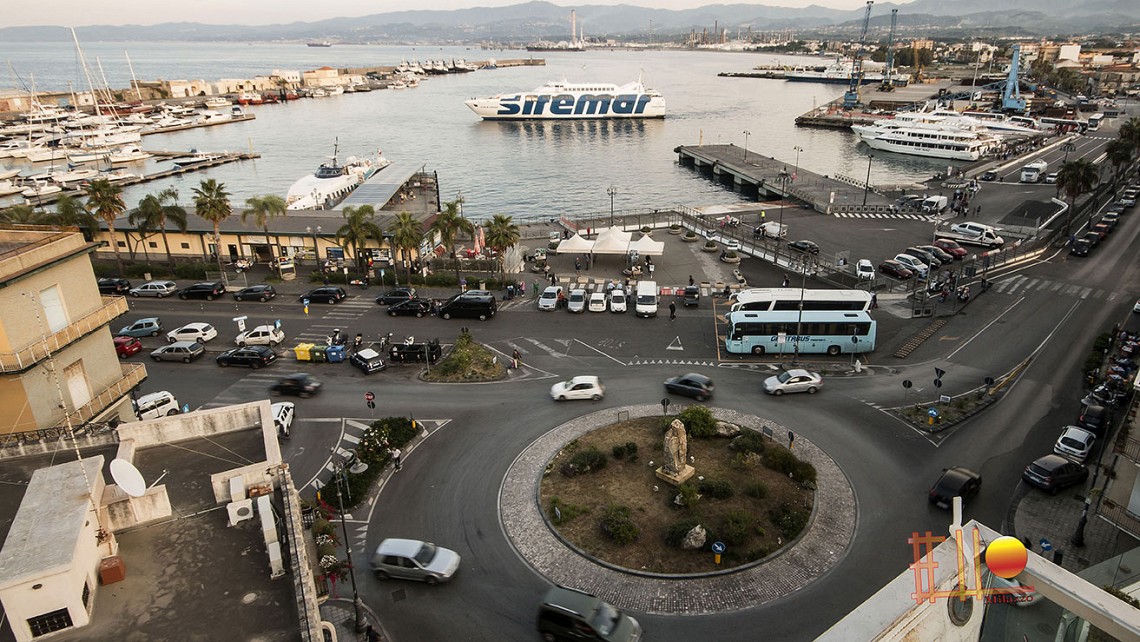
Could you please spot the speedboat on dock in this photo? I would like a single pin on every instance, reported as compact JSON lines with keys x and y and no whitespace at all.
{"x":332,"y":182}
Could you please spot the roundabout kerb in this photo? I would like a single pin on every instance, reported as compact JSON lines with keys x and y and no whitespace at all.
{"x":819,"y":548}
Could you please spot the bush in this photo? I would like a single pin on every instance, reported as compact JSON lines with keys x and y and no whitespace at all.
{"x":618,"y":525}
{"x":717,"y":489}
{"x":561,"y":512}
{"x":748,"y":442}
{"x":735,"y":527}
{"x":675,"y":226}
{"x":619,"y":451}
{"x":731,"y":254}
{"x":678,"y":530}
{"x":688,"y":493}
{"x":192,"y":270}
{"x":789,"y":519}
{"x":698,"y":420}
{"x":645,"y":229}
{"x":1102,"y":342}
{"x":757,"y":490}
{"x":382,"y":436}
{"x":584,"y":461}
{"x":710,"y":243}
{"x":322,"y":526}
{"x":783,"y":461}
{"x":631,"y":450}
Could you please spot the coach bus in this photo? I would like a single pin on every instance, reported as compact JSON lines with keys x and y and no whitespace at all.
{"x":817,"y":332}
{"x":775,"y":299}
{"x":1094,"y":121}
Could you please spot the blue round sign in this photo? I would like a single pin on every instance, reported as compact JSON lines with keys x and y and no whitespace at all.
{"x":933,"y":412}
{"x":718,"y":547}
{"x":1046,"y":545}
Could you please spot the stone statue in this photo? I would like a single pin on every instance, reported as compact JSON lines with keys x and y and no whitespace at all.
{"x":676,"y":445}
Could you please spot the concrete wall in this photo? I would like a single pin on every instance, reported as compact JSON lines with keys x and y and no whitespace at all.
{"x":202,"y":423}
{"x":123,"y":511}
{"x":251,"y":475}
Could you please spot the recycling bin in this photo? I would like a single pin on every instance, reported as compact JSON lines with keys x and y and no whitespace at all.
{"x":303,"y":351}
{"x":335,"y":354}
{"x":318,"y":354}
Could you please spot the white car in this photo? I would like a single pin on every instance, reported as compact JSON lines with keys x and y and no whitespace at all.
{"x":1135,"y":308}
{"x":411,"y":559}
{"x":617,"y":301}
{"x":576,"y":302}
{"x":1074,"y":443}
{"x":549,"y":298}
{"x":262,"y":335}
{"x":154,"y":288}
{"x":283,"y":413}
{"x":581,"y":387}
{"x":913,"y":264}
{"x":865,"y":270}
{"x":598,"y":302}
{"x":793,"y":381}
{"x":1051,"y":178}
{"x":199,"y":332}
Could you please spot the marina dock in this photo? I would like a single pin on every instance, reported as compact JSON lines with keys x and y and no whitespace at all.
{"x":875,"y":102}
{"x":207,"y":123}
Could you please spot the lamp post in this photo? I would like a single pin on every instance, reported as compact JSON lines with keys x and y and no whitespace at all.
{"x":782,"y":179}
{"x":867,"y":184}
{"x":1065,"y":147}
{"x":800,"y":316}
{"x":1078,"y":538}
{"x":746,"y":135}
{"x":316,"y":252}
{"x":798,"y":149}
{"x":356,"y":603}
{"x":612,"y":191}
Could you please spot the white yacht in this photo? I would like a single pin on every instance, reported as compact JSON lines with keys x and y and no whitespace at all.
{"x":571,"y":101}
{"x":332,"y":182}
{"x":929,"y":141}
{"x":128,"y":154}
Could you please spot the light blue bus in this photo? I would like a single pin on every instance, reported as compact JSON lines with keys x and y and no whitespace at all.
{"x":830,"y":332}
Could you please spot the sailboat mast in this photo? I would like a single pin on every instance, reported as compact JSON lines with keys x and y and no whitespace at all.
{"x":106,"y":86}
{"x":86,"y":72}
{"x":134,"y":81}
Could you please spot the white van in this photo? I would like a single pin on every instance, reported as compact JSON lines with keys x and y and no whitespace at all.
{"x":155,"y":405}
{"x":935,"y":204}
{"x":645,"y":304}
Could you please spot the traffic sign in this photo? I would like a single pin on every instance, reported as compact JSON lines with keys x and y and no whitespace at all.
{"x":1046,"y":545}
{"x":933,"y":412}
{"x":907,"y":383}
{"x":718,"y":547}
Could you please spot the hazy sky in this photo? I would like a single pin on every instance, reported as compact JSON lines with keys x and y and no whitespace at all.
{"x":76,"y":13}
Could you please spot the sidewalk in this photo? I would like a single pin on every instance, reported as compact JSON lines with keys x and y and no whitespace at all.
{"x":340,"y":614}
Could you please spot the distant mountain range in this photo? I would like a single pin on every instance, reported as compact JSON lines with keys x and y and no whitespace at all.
{"x":531,"y":21}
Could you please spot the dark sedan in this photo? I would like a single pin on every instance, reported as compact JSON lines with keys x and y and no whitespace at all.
{"x":249,"y":356}
{"x":942,"y":255}
{"x":411,"y":307}
{"x":891,"y":267}
{"x":989,"y":175}
{"x":1051,"y":473}
{"x":1080,"y":247}
{"x":692,"y":385}
{"x":1092,"y":237}
{"x":808,"y":247}
{"x":207,"y":290}
{"x":955,"y":482}
{"x":261,"y":293}
{"x":399,"y":295}
{"x":300,"y":384}
{"x":330,"y":295}
{"x":114,"y":286}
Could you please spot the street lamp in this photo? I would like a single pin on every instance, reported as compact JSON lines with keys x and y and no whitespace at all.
{"x":782,"y":179}
{"x":867,"y":184}
{"x":612,"y":191}
{"x":798,"y":149}
{"x":316,"y":252}
{"x":800,"y":317}
{"x":746,"y":135}
{"x":359,"y":467}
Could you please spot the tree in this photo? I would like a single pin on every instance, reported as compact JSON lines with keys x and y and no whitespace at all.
{"x":264,"y":209}
{"x":406,"y":233}
{"x":448,"y":224}
{"x":1119,"y":153}
{"x":145,"y":225}
{"x":1130,"y":132}
{"x":502,"y":234}
{"x":161,"y":209}
{"x":358,"y":227}
{"x":23,"y":215}
{"x":71,"y":212}
{"x":1076,"y":177}
{"x":212,"y":203}
{"x":105,"y":200}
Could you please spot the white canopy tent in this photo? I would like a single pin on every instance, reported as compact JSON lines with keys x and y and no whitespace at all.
{"x":575,"y":244}
{"x":611,"y":241}
{"x":648,"y":247}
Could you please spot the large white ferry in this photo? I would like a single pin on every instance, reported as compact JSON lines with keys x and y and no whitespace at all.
{"x":930,"y":141}
{"x":332,"y":182}
{"x":569,"y":101}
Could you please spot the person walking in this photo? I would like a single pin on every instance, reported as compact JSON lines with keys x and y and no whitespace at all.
{"x":534,"y":284}
{"x":690,"y":279}
{"x":786,"y":281}
{"x":396,"y":455}
{"x":874,"y":301}
{"x":672,"y":311}
{"x":516,"y":358}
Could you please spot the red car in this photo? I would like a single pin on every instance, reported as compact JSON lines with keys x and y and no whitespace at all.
{"x":951,"y":248}
{"x":890,"y":267}
{"x":126,"y":346}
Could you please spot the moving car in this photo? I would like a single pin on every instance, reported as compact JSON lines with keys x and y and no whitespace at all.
{"x":283,"y":414}
{"x":299,"y":384}
{"x":251,"y":357}
{"x":891,"y":267}
{"x":576,"y":302}
{"x":950,"y":247}
{"x":200,"y":332}
{"x":795,"y":380}
{"x":692,"y":296}
{"x":955,"y":482}
{"x":261,"y":293}
{"x":114,"y":286}
{"x":330,"y":295}
{"x":368,"y":360}
{"x":411,"y":559}
{"x":694,"y":385}
{"x":1051,"y":178}
{"x":126,"y":346}
{"x":1051,"y":473}
{"x":569,"y":614}
{"x":597,"y":302}
{"x":155,"y":288}
{"x":206,"y":290}
{"x":410,"y":307}
{"x":145,"y":327}
{"x":804,"y":246}
{"x":262,"y":335}
{"x":580,"y":387}
{"x":156,"y":404}
{"x":184,"y":351}
{"x":548,"y":300}
{"x":474,"y":304}
{"x":618,"y":302}
{"x":864,"y":270}
{"x":1074,"y":443}
{"x":396,"y":296}
{"x":989,"y":175}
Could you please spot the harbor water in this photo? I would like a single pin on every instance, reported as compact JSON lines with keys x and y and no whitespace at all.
{"x":516,"y":168}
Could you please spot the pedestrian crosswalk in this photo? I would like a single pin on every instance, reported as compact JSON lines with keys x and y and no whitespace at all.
{"x":1020,"y":284}
{"x":925,"y":218}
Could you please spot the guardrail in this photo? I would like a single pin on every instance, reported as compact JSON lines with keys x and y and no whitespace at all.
{"x":133,"y":375}
{"x":39,"y":350}
{"x":1124,"y":519}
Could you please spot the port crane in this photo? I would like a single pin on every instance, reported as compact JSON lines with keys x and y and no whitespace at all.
{"x":851,"y":96}
{"x":887,"y":84}
{"x":1011,"y":99}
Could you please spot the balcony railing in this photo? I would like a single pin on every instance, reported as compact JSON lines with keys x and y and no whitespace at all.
{"x":1128,"y":446}
{"x":36,"y":352}
{"x":1124,"y":519}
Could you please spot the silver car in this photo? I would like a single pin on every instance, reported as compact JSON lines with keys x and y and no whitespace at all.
{"x":155,"y":288}
{"x":414,"y":560}
{"x":184,"y":351}
{"x":793,"y":381}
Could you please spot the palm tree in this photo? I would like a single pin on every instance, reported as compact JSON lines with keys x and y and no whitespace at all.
{"x":359,"y":226}
{"x":69,"y":211}
{"x":161,"y":209}
{"x":23,"y":215}
{"x":1119,"y":153}
{"x":105,"y":200}
{"x":1076,"y":177}
{"x":144,"y":223}
{"x":1130,"y":132}
{"x":212,"y":203}
{"x":406,"y":233}
{"x":264,"y":209}
{"x":448,"y":224}
{"x":502,"y":234}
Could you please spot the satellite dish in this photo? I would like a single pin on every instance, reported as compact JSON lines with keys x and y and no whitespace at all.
{"x":128,"y":477}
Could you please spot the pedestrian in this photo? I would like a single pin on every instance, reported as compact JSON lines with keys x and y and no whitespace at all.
{"x":326,"y":280}
{"x":690,"y":279}
{"x":516,"y":358}
{"x":370,"y":634}
{"x":534,"y":286}
{"x":874,"y":301}
{"x":522,"y":287}
{"x":763,"y":216}
{"x":672,"y":310}
{"x":552,"y":278}
{"x":396,"y":455}
{"x":786,"y":281}
{"x":577,"y":265}
{"x":587,"y":264}
{"x":978,"y":211}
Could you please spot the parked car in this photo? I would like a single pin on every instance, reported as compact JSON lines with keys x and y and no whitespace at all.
{"x":807,"y":247}
{"x":598,"y":302}
{"x":207,"y":290}
{"x":155,"y":288}
{"x":1092,"y":237}
{"x":126,"y":346}
{"x":891,"y":267}
{"x":250,"y":356}
{"x":415,"y":352}
{"x":260,"y":293}
{"x":951,"y":247}
{"x":1111,"y":219}
{"x":414,"y":560}
{"x":1074,"y":443}
{"x":1101,"y":229}
{"x":581,"y":387}
{"x":569,"y":614}
{"x":913,"y":264}
{"x":1051,"y":178}
{"x":1080,"y":247}
{"x":200,"y":332}
{"x":299,"y":384}
{"x":1095,"y":419}
{"x":283,"y":414}
{"x":617,"y":301}
{"x":931,"y":261}
{"x":262,"y":335}
{"x":943,"y":256}
{"x":1051,"y":473}
{"x":548,"y":300}
{"x":330,"y":295}
{"x":576,"y":302}
{"x":795,"y":380}
{"x":692,"y":296}
{"x":184,"y":351}
{"x":368,"y":360}
{"x":396,"y":296}
{"x":156,"y":404}
{"x":410,"y":307}
{"x":114,"y":286}
{"x":145,"y":327}
{"x":1103,"y":395}
{"x":865,"y":270}
{"x":955,"y":482}
{"x":473,"y":304}
{"x":694,"y":385}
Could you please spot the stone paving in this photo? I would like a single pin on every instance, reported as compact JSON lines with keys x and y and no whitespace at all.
{"x":820,"y":547}
{"x":1039,"y":515}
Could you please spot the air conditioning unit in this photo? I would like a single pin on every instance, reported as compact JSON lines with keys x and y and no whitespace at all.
{"x":240,"y":511}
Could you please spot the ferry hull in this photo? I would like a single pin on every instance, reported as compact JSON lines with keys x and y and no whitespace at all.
{"x":568,"y":107}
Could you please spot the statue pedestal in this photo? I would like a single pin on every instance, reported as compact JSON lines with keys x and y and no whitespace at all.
{"x":676,"y":479}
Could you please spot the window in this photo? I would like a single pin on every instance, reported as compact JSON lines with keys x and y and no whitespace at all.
{"x":186,"y":246}
{"x":122,"y":243}
{"x":54,"y":312}
{"x":49,"y":622}
{"x":76,"y":380}
{"x":152,"y":244}
{"x":86,"y":594}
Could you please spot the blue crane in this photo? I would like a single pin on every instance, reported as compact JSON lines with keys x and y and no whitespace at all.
{"x":887,"y":84}
{"x":1011,"y":99}
{"x":851,"y":96}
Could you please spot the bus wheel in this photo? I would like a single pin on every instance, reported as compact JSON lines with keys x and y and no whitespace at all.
{"x":757,"y":349}
{"x":833,"y":350}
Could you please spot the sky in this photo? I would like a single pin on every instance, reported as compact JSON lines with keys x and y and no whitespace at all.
{"x":77,"y":13}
